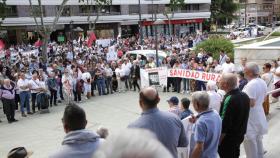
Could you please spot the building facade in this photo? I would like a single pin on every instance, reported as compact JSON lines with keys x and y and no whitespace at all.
{"x":120,"y":18}
{"x":262,"y":12}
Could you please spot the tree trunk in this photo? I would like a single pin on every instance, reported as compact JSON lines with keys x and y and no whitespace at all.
{"x":44,"y":48}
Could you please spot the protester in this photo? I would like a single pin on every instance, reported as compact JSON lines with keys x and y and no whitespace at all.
{"x":234,"y":113}
{"x":167,"y":127}
{"x":257,"y":124}
{"x":35,"y":89}
{"x":24,"y":94}
{"x":268,"y":77}
{"x":7,"y":95}
{"x":52,"y":86}
{"x":67,"y":85}
{"x":207,"y":128}
{"x":185,"y":111}
{"x":242,"y":80}
{"x":132,"y":143}
{"x":173,"y":103}
{"x":228,"y":66}
{"x":215,"y":98}
{"x":135,"y":75}
{"x":78,"y":142}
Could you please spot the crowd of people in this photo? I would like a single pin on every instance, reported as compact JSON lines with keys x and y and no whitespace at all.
{"x":224,"y":117}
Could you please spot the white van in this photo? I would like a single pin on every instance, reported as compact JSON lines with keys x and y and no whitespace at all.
{"x":147,"y":54}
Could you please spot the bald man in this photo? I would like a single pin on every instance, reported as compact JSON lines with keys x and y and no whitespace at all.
{"x":234,"y":112}
{"x":7,"y":95}
{"x":166,"y":126}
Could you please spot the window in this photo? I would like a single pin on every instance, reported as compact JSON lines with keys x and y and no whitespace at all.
{"x":133,"y":9}
{"x":11,"y":11}
{"x":66,"y":11}
{"x":195,"y":7}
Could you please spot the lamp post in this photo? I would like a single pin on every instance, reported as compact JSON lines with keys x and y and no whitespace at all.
{"x":71,"y":34}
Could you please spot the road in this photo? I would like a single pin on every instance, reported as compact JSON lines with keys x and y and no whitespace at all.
{"x":43,"y":133}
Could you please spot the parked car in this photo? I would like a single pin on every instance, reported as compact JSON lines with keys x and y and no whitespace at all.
{"x":147,"y":54}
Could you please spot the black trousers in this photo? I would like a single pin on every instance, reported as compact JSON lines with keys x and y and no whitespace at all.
{"x":77,"y":96}
{"x":17,"y":101}
{"x":135,"y":84}
{"x":33,"y":100}
{"x":53,"y":97}
{"x":108,"y":82}
{"x":9,"y":108}
{"x":178,"y":84}
{"x":230,"y":147}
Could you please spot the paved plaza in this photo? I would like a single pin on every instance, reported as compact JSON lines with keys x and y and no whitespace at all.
{"x":43,"y":133}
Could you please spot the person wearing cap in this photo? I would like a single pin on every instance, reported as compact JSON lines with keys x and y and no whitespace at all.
{"x":166,"y":126}
{"x":78,"y":142}
{"x":185,"y":104}
{"x":173,"y":106}
{"x":19,"y":152}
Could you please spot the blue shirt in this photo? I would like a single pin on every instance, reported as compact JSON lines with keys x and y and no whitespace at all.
{"x":186,"y":113}
{"x":166,"y":126}
{"x":207,"y":130}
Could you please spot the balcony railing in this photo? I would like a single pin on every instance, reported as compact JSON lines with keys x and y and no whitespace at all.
{"x":101,"y":14}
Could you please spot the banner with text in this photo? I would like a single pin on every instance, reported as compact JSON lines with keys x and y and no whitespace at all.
{"x":192,"y":74}
{"x":153,"y":77}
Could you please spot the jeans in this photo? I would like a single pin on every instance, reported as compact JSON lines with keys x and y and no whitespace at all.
{"x":109,"y":85}
{"x":24,"y":100}
{"x":101,"y":86}
{"x":186,"y":85}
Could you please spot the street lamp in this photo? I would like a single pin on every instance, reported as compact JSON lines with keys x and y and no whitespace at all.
{"x":140,"y":23}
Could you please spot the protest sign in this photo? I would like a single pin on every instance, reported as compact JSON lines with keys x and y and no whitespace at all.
{"x":192,"y":74}
{"x":153,"y":77}
{"x":112,"y":54}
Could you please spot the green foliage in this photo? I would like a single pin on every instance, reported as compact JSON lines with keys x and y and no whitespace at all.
{"x":223,"y":10}
{"x":215,"y":44}
{"x":275,"y":34}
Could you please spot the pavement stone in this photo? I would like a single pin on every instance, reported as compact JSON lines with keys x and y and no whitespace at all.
{"x":43,"y":133}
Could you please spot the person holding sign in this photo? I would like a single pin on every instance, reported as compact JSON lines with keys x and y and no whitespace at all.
{"x":234,"y":112}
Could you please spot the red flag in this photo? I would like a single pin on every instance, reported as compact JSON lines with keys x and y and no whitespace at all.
{"x":92,"y":38}
{"x":2,"y":44}
{"x":38,"y":43}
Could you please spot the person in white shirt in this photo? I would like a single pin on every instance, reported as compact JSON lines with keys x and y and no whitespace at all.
{"x":35,"y":89}
{"x":108,"y":78}
{"x":87,"y":84}
{"x":222,"y":58}
{"x":228,"y":66}
{"x":240,"y":67}
{"x":67,"y":82}
{"x":257,"y":126}
{"x":120,"y":78}
{"x":215,"y":98}
{"x":126,"y":66}
{"x":24,"y":94}
{"x":268,"y":78}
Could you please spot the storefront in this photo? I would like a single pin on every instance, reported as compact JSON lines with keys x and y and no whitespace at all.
{"x":178,"y":27}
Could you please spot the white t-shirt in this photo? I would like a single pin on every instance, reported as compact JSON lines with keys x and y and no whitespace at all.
{"x":21,"y":83}
{"x":276,"y":78}
{"x":218,"y":68}
{"x":257,"y":124}
{"x":268,"y":79}
{"x":126,"y":68}
{"x":119,"y":73}
{"x":35,"y":84}
{"x":228,"y":68}
{"x":215,"y":100}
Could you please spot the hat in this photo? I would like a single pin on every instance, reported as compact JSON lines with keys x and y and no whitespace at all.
{"x":19,"y":152}
{"x":174,"y":100}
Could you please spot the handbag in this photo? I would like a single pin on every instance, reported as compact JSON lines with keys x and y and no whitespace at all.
{"x":276,"y":94}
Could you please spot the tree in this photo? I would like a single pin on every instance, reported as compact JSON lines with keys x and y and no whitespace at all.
{"x":222,"y":11}
{"x":99,"y":6}
{"x":170,"y":11}
{"x":44,"y":30}
{"x":215,"y":44}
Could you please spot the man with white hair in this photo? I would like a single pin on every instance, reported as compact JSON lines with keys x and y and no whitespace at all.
{"x":215,"y":98}
{"x":257,"y":126}
{"x":132,"y":143}
{"x":234,"y":113}
{"x":207,"y":128}
{"x":166,"y":126}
